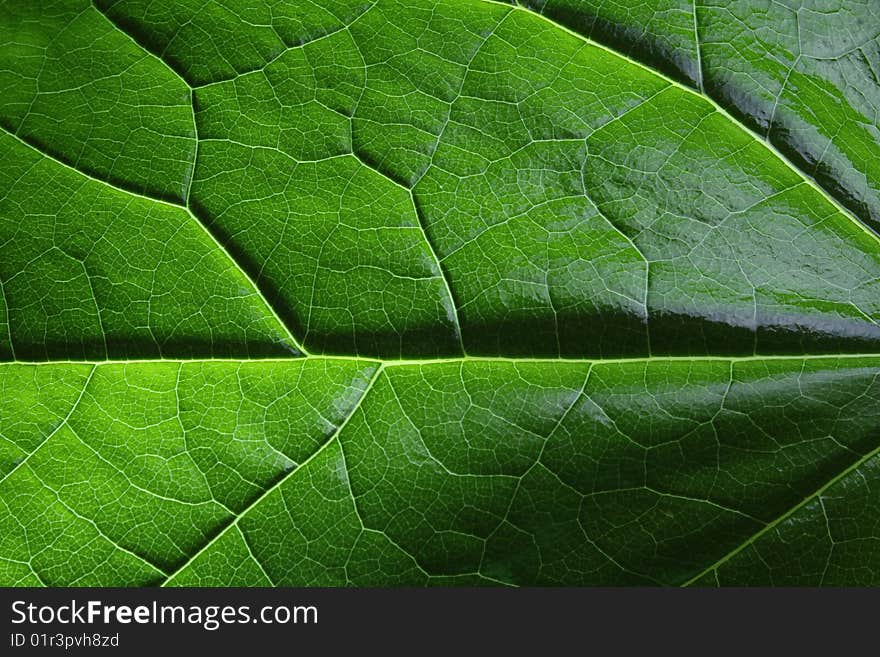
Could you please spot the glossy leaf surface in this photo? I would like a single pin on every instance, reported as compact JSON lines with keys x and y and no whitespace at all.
{"x":437,"y":292}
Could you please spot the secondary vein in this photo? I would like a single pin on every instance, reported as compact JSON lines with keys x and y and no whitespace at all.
{"x":279,"y":483}
{"x":827,"y":195}
{"x":790,"y":512}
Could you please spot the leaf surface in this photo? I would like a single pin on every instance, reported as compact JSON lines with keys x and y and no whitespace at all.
{"x":803,"y":74}
{"x":410,"y":292}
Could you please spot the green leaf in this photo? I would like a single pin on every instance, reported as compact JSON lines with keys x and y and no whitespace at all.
{"x":804,"y":74}
{"x":438,"y":292}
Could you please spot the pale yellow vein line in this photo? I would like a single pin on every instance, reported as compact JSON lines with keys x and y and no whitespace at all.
{"x":718,"y":108}
{"x":221,"y":246}
{"x":287,"y":48}
{"x":775,"y":523}
{"x":56,"y":429}
{"x":282,"y":481}
{"x":8,"y":319}
{"x":403,"y":362}
{"x":254,"y":557}
{"x":95,"y":526}
{"x":441,"y":273}
{"x":139,"y":45}
{"x":214,"y":241}
{"x":57,"y":160}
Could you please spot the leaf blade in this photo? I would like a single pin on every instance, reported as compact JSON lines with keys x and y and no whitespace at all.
{"x":603,"y":348}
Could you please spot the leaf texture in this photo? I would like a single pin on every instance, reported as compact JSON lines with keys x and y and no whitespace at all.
{"x":802,"y":73}
{"x":438,"y":292}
